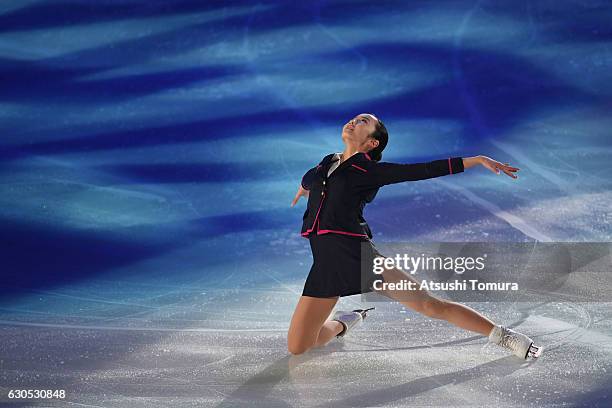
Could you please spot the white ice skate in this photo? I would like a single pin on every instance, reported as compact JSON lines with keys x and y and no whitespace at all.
{"x":350,"y":320}
{"x":521,"y":345}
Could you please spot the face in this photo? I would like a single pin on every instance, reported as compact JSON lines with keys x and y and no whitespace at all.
{"x":356,"y":132}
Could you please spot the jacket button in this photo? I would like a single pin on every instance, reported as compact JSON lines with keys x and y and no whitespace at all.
{"x":323,"y":182}
{"x":322,"y":193}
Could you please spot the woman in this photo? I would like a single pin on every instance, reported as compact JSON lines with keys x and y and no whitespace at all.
{"x":338,"y":188}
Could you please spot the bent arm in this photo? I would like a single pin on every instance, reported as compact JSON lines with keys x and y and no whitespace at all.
{"x":308,"y":178}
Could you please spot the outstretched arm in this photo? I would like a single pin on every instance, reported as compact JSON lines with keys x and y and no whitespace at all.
{"x":378,"y":174}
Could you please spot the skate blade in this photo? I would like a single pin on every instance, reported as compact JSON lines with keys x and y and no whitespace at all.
{"x":363,"y":312}
{"x":535,"y":351}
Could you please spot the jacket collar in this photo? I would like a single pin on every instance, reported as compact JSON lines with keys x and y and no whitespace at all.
{"x":357,"y":157}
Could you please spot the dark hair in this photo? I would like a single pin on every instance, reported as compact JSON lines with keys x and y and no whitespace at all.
{"x":380,"y":134}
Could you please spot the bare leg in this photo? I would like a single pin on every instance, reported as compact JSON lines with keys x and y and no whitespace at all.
{"x":309,"y":327}
{"x":424,"y":302}
{"x":329,"y":330}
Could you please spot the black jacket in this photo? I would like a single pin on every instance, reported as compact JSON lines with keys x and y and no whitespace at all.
{"x":335,"y":203}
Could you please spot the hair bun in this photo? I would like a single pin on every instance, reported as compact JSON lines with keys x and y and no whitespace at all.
{"x":380,"y":134}
{"x":375,"y":154}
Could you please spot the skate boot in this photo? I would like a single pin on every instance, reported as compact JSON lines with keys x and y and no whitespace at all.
{"x":350,"y":320}
{"x":520,"y":345}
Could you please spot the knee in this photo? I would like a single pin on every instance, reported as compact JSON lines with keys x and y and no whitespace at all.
{"x":296,"y":349}
{"x":296,"y":344}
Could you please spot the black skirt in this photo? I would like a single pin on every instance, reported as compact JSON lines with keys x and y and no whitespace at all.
{"x":341,"y":266}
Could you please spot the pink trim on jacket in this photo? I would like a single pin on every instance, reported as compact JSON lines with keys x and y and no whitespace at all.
{"x":368,"y":156}
{"x":308,"y":231}
{"x":321,"y":232}
{"x":362,"y":169}
{"x":450,"y":168}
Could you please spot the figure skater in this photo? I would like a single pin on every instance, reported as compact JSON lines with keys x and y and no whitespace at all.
{"x":337,"y":189}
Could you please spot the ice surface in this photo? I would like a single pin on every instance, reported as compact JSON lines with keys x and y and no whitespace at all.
{"x":396,"y":358}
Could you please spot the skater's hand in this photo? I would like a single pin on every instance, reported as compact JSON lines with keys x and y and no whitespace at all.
{"x":496,"y":166}
{"x":301,"y":192}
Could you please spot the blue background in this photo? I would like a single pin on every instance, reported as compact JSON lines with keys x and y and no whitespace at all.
{"x":162,"y":142}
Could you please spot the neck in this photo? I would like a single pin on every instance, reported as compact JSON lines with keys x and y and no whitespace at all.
{"x":348,"y":152}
